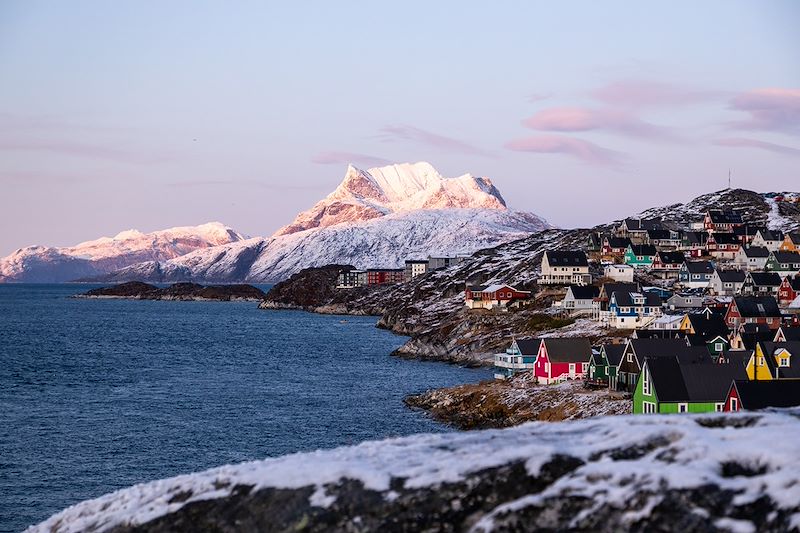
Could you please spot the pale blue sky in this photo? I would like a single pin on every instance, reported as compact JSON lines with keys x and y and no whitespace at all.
{"x":579,"y":111}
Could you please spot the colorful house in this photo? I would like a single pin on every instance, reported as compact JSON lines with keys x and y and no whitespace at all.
{"x":632,"y":310}
{"x":788,"y":290}
{"x":560,"y":359}
{"x":603,"y":365}
{"x":784,"y":263}
{"x":723,"y":245}
{"x":519,"y":357}
{"x":667,"y":264}
{"x":774,"y":360}
{"x":562,"y":267}
{"x":694,"y":243}
{"x":497,"y":295}
{"x":761,"y":284}
{"x":381,"y":276}
{"x":745,"y":395}
{"x":613,"y":247}
{"x":769,"y":239}
{"x":753,"y":310}
{"x":636,"y":350}
{"x":722,"y":220}
{"x":683,"y":385}
{"x":786,"y":333}
{"x":726,"y":282}
{"x":791,"y":242}
{"x":696,"y":274}
{"x":640,"y":255}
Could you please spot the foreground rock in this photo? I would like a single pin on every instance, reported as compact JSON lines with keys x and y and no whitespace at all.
{"x":631,"y":473}
{"x":136,"y":290}
{"x":500,"y":404}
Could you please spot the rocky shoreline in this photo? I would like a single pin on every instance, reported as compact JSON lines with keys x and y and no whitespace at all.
{"x":136,"y":290}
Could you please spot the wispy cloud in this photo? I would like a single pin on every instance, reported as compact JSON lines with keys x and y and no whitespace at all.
{"x":740,"y":142}
{"x":583,"y":150}
{"x":538,"y":97}
{"x":641,"y":93}
{"x":420,"y":136}
{"x":584,"y":119}
{"x":78,"y":149}
{"x":772,"y":109}
{"x":343,"y":158}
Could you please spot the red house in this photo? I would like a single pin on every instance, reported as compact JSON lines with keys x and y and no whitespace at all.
{"x":614,"y":246}
{"x":723,"y":245}
{"x":493,"y":296}
{"x":753,"y":395}
{"x":753,"y":310}
{"x":789,"y":290}
{"x":560,"y":359}
{"x":379,"y":276}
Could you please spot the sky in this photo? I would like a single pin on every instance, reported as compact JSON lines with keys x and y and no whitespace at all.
{"x":148,"y":114}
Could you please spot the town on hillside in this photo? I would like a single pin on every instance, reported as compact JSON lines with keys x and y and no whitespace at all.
{"x":697,"y":319}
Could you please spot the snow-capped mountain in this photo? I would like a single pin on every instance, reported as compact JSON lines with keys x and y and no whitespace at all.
{"x":92,"y":258}
{"x":375,"y":218}
{"x":377,"y":192}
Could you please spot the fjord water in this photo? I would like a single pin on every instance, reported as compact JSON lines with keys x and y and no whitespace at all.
{"x":97,"y":395}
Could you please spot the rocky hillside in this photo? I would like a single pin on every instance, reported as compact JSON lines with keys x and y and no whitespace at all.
{"x":685,"y":473}
{"x":136,"y":290}
{"x":430,"y":308}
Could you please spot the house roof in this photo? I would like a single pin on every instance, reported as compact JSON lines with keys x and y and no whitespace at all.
{"x":528,"y":346}
{"x":794,"y":236}
{"x":793,"y":347}
{"x":695,"y":237}
{"x":757,"y":306}
{"x":725,"y":238}
{"x":748,"y":230}
{"x":658,"y":334}
{"x":680,"y":380}
{"x":719,"y":216}
{"x":642,"y":249}
{"x":699,"y":267}
{"x":626,"y":298}
{"x":659,"y":234}
{"x":618,"y":242}
{"x":568,"y":349}
{"x":644,"y":348}
{"x":610,"y":288}
{"x":708,"y":325}
{"x":786,"y":257}
{"x":566,"y":258}
{"x":755,"y":251}
{"x":614,"y":353}
{"x":790,"y":333}
{"x":771,"y":235}
{"x":498,"y":286}
{"x":642,"y":224}
{"x":763,"y":394}
{"x":584,"y":292}
{"x":766,"y":279}
{"x":671,"y":257}
{"x":731,"y":276}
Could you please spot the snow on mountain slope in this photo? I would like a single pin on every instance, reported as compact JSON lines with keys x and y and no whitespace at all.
{"x":377,"y":192}
{"x":384,"y":242}
{"x":50,"y":264}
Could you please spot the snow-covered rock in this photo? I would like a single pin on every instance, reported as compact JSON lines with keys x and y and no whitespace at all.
{"x":50,"y":264}
{"x":687,"y":473}
{"x":374,"y":219}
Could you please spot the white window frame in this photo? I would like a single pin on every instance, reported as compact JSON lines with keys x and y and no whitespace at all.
{"x":734,"y":404}
{"x":683,"y":407}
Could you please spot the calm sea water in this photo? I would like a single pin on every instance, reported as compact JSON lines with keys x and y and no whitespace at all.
{"x":96,"y":395}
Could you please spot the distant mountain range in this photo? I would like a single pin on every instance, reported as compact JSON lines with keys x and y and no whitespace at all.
{"x":374,"y":218}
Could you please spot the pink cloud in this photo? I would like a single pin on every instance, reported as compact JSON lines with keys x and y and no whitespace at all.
{"x":343,"y":158}
{"x":772,"y":109}
{"x":586,"y":151}
{"x":583,"y":119}
{"x":410,"y":133}
{"x":639,"y":93}
{"x":762,"y":145}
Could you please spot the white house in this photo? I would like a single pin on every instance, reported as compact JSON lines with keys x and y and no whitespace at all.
{"x":623,"y":273}
{"x":727,"y":282}
{"x":579,"y":299}
{"x":415,"y":267}
{"x":563,"y":267}
{"x":685,"y":301}
{"x":769,"y":239}
{"x":751,"y":257}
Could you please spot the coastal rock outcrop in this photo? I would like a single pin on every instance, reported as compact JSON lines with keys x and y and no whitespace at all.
{"x":688,"y":473}
{"x":137,"y":290}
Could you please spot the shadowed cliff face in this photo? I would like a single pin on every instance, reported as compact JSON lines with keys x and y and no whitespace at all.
{"x":626,"y":473}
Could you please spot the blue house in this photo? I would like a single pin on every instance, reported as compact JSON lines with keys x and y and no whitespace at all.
{"x":696,"y":274}
{"x":519,"y":357}
{"x":633,"y":310}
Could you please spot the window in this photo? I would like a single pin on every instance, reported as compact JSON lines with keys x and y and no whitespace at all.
{"x":783,"y":361}
{"x":646,"y":383}
{"x":734,"y":404}
{"x":584,"y":367}
{"x":683,"y":408}
{"x":760,"y":361}
{"x":717,"y":346}
{"x":630,"y":357}
{"x":648,"y":408}
{"x":719,"y":407}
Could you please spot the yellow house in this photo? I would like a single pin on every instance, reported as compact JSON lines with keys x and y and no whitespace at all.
{"x":791,"y":242}
{"x":771,"y":361}
{"x":760,"y":366}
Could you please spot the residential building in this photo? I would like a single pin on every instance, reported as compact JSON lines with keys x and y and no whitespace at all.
{"x":747,"y":233}
{"x":560,"y":359}
{"x":632,"y":310}
{"x":774,"y":361}
{"x":791,"y":242}
{"x":727,"y":282}
{"x":415,"y":267}
{"x":761,"y":284}
{"x":640,"y":255}
{"x":622,"y":273}
{"x":636,"y":350}
{"x":667,"y":264}
{"x":579,"y":299}
{"x":769,"y":239}
{"x":722,"y":220}
{"x":787,"y":333}
{"x":380,"y":276}
{"x":746,"y":395}
{"x":784,"y":263}
{"x":751,"y":257}
{"x":349,"y":279}
{"x":495,"y":296}
{"x":601,"y":302}
{"x":684,"y":301}
{"x":614,"y":247}
{"x":519,"y":357}
{"x":603,"y":365}
{"x":560,"y":267}
{"x":438,"y":263}
{"x":723,"y":245}
{"x":696,"y":274}
{"x":636,"y":228}
{"x":663,"y":238}
{"x":693,"y":243}
{"x":753,"y":310}
{"x":788,"y":290}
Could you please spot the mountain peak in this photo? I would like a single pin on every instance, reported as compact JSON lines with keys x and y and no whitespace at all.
{"x":397,"y":188}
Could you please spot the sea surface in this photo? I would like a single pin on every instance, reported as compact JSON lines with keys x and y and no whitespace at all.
{"x":96,"y":395}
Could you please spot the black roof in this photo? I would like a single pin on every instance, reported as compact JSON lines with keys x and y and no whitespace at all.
{"x":644,"y":348}
{"x":642,"y":224}
{"x":794,"y":236}
{"x":793,"y":347}
{"x":671,"y":257}
{"x":695,"y":237}
{"x":766,"y":279}
{"x":658,"y":334}
{"x":611,"y":288}
{"x":731,"y":276}
{"x":726,"y":238}
{"x":756,"y":251}
{"x":566,"y":258}
{"x":790,"y":333}
{"x":614,"y":353}
{"x":618,"y":242}
{"x":786,"y":257}
{"x":772,"y":393}
{"x":643,"y":249}
{"x":659,"y":234}
{"x":708,"y":326}
{"x":568,"y":349}
{"x":677,"y":380}
{"x":584,"y":292}
{"x":771,"y":235}
{"x":625,"y":298}
{"x":719,"y":216}
{"x":748,"y":230}
{"x":757,"y":306}
{"x":528,"y":346}
{"x":699,"y":267}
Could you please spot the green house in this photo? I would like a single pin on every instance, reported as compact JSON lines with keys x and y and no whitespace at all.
{"x":604,"y":363}
{"x":684,"y":385}
{"x":784,"y":263}
{"x":640,"y":255}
